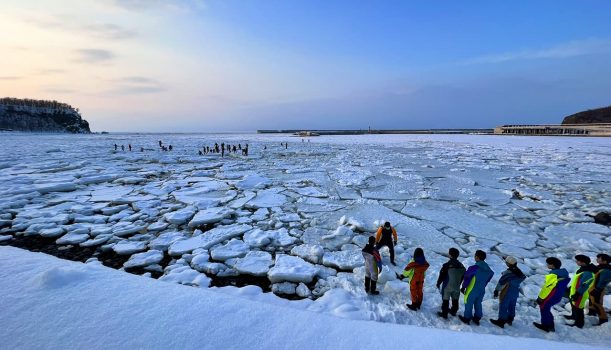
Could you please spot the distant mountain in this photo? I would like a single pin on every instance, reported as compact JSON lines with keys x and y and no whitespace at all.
{"x":599,"y":115}
{"x":40,"y":116}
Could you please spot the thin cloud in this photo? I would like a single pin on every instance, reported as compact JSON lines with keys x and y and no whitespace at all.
{"x":108,"y":31}
{"x":93,"y":56}
{"x":176,"y":5}
{"x":570,"y":49}
{"x":10,"y":78}
{"x":137,"y":85}
{"x":60,"y":90}
{"x":50,"y":71}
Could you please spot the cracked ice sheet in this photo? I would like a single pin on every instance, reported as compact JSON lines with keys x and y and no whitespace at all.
{"x":584,"y":238}
{"x":470,"y":222}
{"x":412,"y":232}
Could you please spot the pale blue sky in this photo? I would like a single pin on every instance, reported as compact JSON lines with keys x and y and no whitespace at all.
{"x":136,"y":65}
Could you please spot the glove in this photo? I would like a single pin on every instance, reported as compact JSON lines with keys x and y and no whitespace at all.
{"x":395,"y":243}
{"x":496,"y":294}
{"x":438,"y":286}
{"x":574,"y":297}
{"x":595,"y":293}
{"x":462,"y":290}
{"x":539,"y":301}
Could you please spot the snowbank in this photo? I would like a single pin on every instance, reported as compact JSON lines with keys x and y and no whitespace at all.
{"x":56,"y":304}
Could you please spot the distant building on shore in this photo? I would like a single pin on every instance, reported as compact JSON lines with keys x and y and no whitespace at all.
{"x":593,"y":122}
{"x":599,"y":129}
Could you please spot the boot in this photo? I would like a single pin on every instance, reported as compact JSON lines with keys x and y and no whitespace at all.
{"x":476,"y":320}
{"x":367,"y":284}
{"x":543,"y":328}
{"x":454,"y":308}
{"x":499,"y":323}
{"x":373,"y":287}
{"x":442,"y":315}
{"x":510,"y":321}
{"x":601,"y":322}
{"x":412,"y":306}
{"x":569,"y":317}
{"x":444,"y":309}
{"x":464,"y":320}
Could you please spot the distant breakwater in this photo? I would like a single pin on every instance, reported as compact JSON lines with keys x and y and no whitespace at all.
{"x":380,"y":132}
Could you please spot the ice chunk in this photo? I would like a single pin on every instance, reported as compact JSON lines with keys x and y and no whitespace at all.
{"x":125,"y":228}
{"x":261,"y":238}
{"x":344,"y":260}
{"x":126,"y":247}
{"x":342,"y":235}
{"x":286,"y":288}
{"x":210,"y":215}
{"x":235,"y":248}
{"x":292,"y":269}
{"x":180,"y":217}
{"x":208,"y":239}
{"x":310,"y":252}
{"x":52,"y":232}
{"x":252,"y":182}
{"x":267,"y":199}
{"x":99,"y":239}
{"x":255,"y":263}
{"x":303,"y":291}
{"x":186,"y":275}
{"x":164,"y":240}
{"x":55,"y":187}
{"x":73,"y":238}
{"x":143,"y":259}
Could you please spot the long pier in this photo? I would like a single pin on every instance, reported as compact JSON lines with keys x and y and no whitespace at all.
{"x":374,"y":132}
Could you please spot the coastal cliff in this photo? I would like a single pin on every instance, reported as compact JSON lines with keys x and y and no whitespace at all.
{"x":598,"y":115}
{"x":40,"y":116}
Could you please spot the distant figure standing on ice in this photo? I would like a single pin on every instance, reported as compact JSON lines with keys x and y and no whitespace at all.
{"x":122,"y":148}
{"x":170,"y":147}
{"x":116,"y":146}
{"x":222,"y":149}
{"x":234,"y":149}
{"x":286,"y":145}
{"x":160,"y":144}
{"x":141,"y":149}
{"x":387,"y":236}
{"x":373,"y":265}
{"x":130,"y":147}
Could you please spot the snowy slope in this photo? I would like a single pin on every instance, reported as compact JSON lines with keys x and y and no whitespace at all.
{"x":47,"y":303}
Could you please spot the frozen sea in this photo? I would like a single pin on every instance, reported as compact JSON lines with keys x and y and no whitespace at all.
{"x":299,"y":215}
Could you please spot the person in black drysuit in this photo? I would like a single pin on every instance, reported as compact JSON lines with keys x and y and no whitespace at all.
{"x":387,"y":236}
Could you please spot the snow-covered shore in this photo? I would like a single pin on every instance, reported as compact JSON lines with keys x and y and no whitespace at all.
{"x":48,"y":303}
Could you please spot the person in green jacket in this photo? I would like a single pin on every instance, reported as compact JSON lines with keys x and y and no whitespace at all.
{"x":556,"y":282}
{"x":581,"y":284}
{"x":597,"y":294}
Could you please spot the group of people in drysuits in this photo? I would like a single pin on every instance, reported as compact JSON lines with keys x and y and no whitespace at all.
{"x":587,"y":286}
